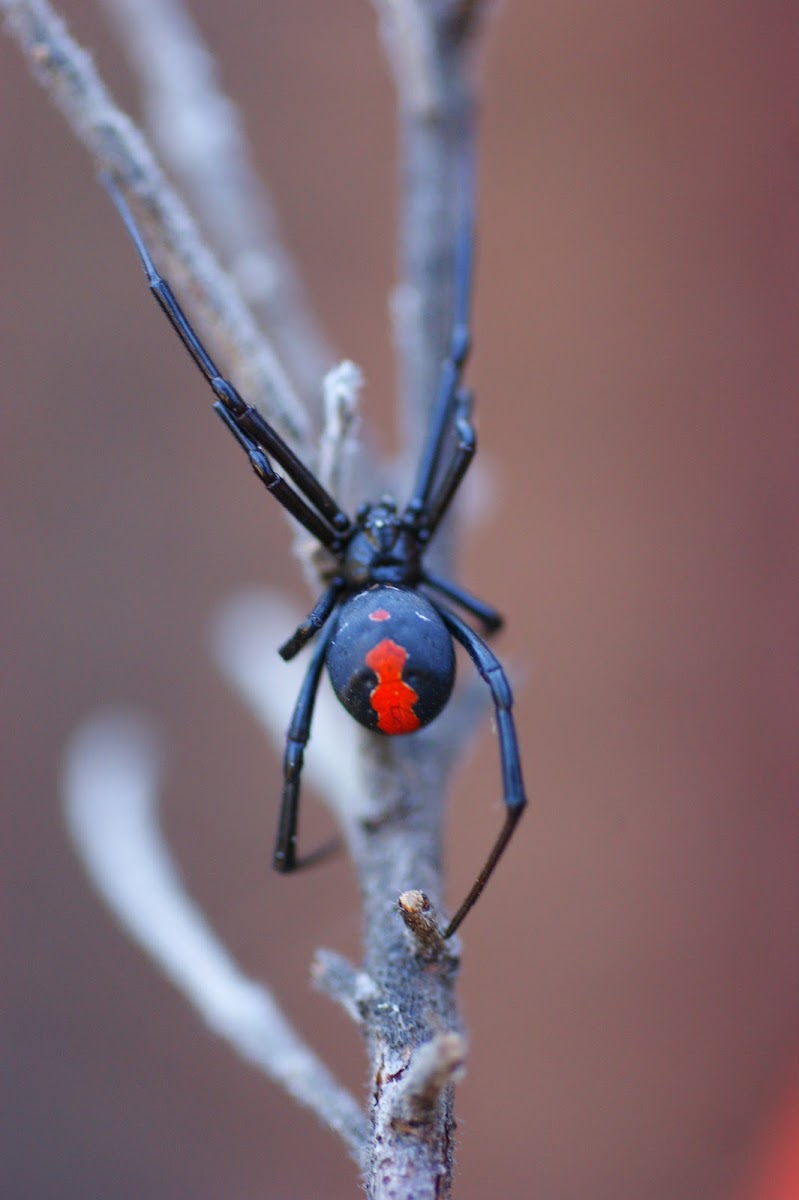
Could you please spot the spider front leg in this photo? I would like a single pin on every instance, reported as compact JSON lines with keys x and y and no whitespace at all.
{"x":451,"y":401}
{"x":308,"y":501}
{"x":285,"y":856}
{"x":432,"y":514}
{"x":513,"y":795}
{"x":275,"y":484}
{"x":313,"y":622}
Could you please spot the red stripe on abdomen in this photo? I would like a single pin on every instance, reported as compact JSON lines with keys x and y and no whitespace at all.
{"x":392,"y":699}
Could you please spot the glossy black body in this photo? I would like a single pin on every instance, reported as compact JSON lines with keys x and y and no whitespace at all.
{"x":409,"y":621}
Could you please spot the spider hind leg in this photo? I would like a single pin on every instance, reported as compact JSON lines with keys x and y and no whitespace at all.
{"x":513,"y":794}
{"x":285,"y":857}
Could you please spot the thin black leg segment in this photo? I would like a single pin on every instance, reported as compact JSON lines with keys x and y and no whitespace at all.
{"x":245,"y":416}
{"x":488,"y":616}
{"x":513,"y":793}
{"x":285,"y":857}
{"x":452,"y":368}
{"x":462,"y":456}
{"x":313,"y":622}
{"x":274,"y":483}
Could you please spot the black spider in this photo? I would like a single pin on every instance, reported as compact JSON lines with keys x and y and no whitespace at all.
{"x":386,"y":643}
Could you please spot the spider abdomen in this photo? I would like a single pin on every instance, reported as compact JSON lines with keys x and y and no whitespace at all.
{"x":391,"y":660}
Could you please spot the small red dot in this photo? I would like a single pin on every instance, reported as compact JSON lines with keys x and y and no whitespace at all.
{"x":380,"y":614}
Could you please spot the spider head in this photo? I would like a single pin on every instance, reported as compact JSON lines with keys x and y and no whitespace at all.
{"x":383,"y":548}
{"x":369,"y":514}
{"x":380,"y":523}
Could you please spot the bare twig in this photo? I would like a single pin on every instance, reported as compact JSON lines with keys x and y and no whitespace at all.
{"x":435,"y":1067}
{"x":422,"y":921}
{"x":409,"y":39}
{"x":342,"y":982}
{"x":198,"y":131}
{"x":429,"y":52}
{"x":111,"y":776}
{"x":417,"y":998}
{"x":339,"y":440}
{"x":69,"y":75}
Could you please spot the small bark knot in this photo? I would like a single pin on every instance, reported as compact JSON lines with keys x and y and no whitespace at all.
{"x":434,"y":1067}
{"x":421,"y":920}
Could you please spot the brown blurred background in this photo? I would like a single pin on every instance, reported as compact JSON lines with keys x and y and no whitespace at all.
{"x":633,"y":1031}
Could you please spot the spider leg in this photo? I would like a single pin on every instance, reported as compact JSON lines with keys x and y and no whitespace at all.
{"x":447,"y":399}
{"x":513,"y":793}
{"x":285,"y":856}
{"x":490,"y":618}
{"x":275,"y":484}
{"x":313,"y":622}
{"x":245,"y":417}
{"x":430,"y":517}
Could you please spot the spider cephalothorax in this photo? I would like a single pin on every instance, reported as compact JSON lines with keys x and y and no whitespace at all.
{"x":384,"y":547}
{"x":382,"y":626}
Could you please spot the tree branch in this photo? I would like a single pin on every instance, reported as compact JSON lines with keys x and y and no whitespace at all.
{"x":429,"y":48}
{"x":110,"y":783}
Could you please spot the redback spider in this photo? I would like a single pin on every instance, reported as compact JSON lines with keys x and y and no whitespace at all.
{"x":385,"y":634}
